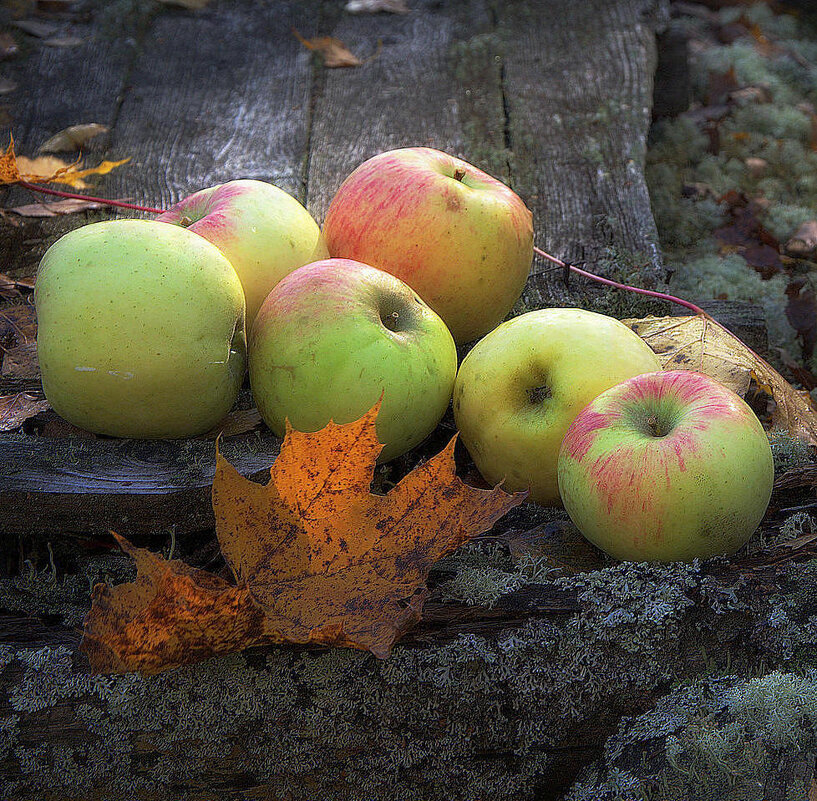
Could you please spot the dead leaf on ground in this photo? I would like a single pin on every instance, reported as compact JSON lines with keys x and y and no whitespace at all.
{"x":333,"y":51}
{"x":803,"y":244}
{"x":375,"y":6}
{"x":192,"y":5}
{"x":241,"y":421}
{"x":63,"y":41}
{"x":36,"y":27}
{"x":72,"y":138}
{"x":48,"y":169}
{"x":699,"y":343}
{"x":560,"y":543}
{"x":18,"y":342}
{"x":56,"y":208}
{"x":316,"y":556}
{"x":11,"y":288}
{"x":16,"y":409}
{"x":8,"y":47}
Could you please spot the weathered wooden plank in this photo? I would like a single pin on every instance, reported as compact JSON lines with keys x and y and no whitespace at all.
{"x":58,"y":87}
{"x":217,"y":95}
{"x":90,"y":486}
{"x":578,"y":87}
{"x":433,"y":82}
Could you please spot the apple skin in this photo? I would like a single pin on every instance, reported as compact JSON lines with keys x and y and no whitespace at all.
{"x":264,"y":232}
{"x":319,"y":350}
{"x":666,"y":466}
{"x":521,"y":386}
{"x":464,"y":245}
{"x":140,"y":330}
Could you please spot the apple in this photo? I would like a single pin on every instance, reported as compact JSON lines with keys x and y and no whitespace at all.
{"x":521,"y":386}
{"x":140,"y":329}
{"x":264,"y":232}
{"x":460,"y":238}
{"x":333,"y":336}
{"x":666,"y":466}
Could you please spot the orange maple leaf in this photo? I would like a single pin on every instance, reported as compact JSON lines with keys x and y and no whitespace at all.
{"x":316,"y":556}
{"x":48,"y":169}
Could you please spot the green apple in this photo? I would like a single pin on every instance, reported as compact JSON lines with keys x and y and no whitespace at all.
{"x":264,"y":232}
{"x":140,"y":329}
{"x":521,"y":386}
{"x":666,"y":466}
{"x":454,"y":234}
{"x":333,"y":336}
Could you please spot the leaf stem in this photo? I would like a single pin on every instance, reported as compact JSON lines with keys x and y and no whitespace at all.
{"x":118,"y":203}
{"x":617,"y":285}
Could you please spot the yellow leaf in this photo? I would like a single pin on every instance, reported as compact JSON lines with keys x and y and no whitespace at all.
{"x":700,"y":343}
{"x":334,"y":52}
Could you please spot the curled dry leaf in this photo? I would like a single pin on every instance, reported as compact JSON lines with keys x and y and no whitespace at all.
{"x":72,"y":138}
{"x":55,"y":208}
{"x":333,"y":51}
{"x":16,"y":409}
{"x":18,"y":346}
{"x":375,"y":6}
{"x":237,"y":422}
{"x":700,"y":343}
{"x":316,"y":556}
{"x":803,"y":243}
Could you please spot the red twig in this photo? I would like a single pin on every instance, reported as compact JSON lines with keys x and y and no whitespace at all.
{"x":118,"y":203}
{"x":617,"y":285}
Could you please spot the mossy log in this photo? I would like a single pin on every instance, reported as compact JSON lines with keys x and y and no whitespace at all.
{"x":506,"y":701}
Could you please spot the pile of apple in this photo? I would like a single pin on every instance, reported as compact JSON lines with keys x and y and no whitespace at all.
{"x":142,"y":334}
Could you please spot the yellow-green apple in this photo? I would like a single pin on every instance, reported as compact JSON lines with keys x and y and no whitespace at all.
{"x":140,"y":329}
{"x":521,"y":386}
{"x":333,"y":336}
{"x":264,"y":232}
{"x":460,"y":238}
{"x":666,"y":466}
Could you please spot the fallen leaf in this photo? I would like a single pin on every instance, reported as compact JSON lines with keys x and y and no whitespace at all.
{"x":8,"y":47}
{"x":11,"y":288}
{"x":16,"y":409}
{"x":803,"y":244}
{"x":333,"y":51}
{"x":801,"y":312}
{"x":73,"y":137}
{"x":317,"y":557}
{"x":560,"y":544}
{"x":193,"y":5}
{"x":63,"y":41}
{"x":699,"y":343}
{"x":38,"y":28}
{"x":374,"y":6}
{"x":55,"y":208}
{"x":18,"y":345}
{"x":48,"y":169}
{"x":238,"y":422}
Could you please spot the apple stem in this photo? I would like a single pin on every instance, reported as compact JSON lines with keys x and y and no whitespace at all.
{"x":459,"y":174}
{"x":651,"y":293}
{"x":118,"y":203}
{"x":652,"y":422}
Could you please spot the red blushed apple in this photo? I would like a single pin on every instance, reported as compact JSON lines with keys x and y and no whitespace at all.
{"x":264,"y":233}
{"x":460,"y":238}
{"x":666,"y":466}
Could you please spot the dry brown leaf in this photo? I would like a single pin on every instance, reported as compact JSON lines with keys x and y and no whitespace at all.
{"x":18,"y":345}
{"x":56,"y":208}
{"x":803,"y":243}
{"x":13,"y":288}
{"x":48,"y":169}
{"x":72,"y":138}
{"x":333,"y":51}
{"x":375,"y":6}
{"x":193,"y":5}
{"x":16,"y":409}
{"x":317,"y":558}
{"x":238,"y":422}
{"x":699,"y":343}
